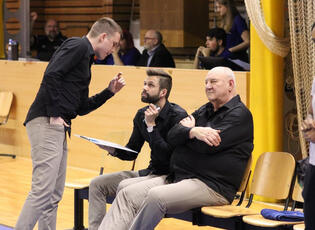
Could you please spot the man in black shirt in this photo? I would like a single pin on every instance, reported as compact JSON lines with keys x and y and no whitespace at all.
{"x":46,"y":45}
{"x":212,"y":147}
{"x":151,"y":124}
{"x":63,"y":94}
{"x":155,"y":53}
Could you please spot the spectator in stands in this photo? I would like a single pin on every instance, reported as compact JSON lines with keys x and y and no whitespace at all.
{"x":151,"y":124}
{"x":155,"y":53}
{"x":215,"y":46}
{"x":63,"y":94}
{"x":212,"y":148}
{"x":308,"y":128}
{"x":237,"y":41}
{"x":46,"y":45}
{"x":125,"y":54}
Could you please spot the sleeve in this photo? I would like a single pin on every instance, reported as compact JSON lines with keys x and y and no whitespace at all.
{"x":135,"y":142}
{"x":94,"y":102}
{"x":69,"y":55}
{"x":160,"y":144}
{"x":236,"y":127}
{"x":179,"y":134}
{"x":131,"y":57}
{"x":240,"y":24}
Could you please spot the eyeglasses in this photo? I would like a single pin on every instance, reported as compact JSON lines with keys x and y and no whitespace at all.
{"x":147,"y":38}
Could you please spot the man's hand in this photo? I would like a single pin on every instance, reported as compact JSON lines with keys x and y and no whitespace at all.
{"x":204,"y":51}
{"x":57,"y":121}
{"x":34,"y":16}
{"x":308,"y":123}
{"x":110,"y":150}
{"x":117,"y":83}
{"x":150,"y":114}
{"x":309,"y":135}
{"x":188,"y":121}
{"x":206,"y":134}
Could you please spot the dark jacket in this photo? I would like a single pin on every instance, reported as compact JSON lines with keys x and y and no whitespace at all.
{"x":161,"y":58}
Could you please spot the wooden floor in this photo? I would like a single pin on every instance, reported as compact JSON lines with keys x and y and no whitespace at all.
{"x":15,"y":178}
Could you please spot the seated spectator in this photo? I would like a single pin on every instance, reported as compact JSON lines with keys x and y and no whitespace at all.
{"x":125,"y":54}
{"x":211,"y":150}
{"x":215,"y":46}
{"x":47,"y":44}
{"x":151,"y":125}
{"x":237,"y":41}
{"x":155,"y":53}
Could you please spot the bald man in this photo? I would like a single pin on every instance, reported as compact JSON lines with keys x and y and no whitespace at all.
{"x":211,"y":150}
{"x":155,"y":53}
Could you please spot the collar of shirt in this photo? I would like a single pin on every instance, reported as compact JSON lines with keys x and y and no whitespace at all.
{"x":90,"y":47}
{"x":230,"y":104}
{"x":151,"y":52}
{"x":165,"y":111}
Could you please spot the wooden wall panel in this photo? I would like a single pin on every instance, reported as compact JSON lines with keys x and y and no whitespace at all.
{"x":113,"y":121}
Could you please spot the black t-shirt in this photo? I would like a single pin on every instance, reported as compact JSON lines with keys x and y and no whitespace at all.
{"x":46,"y":48}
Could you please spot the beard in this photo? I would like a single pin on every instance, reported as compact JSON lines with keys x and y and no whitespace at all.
{"x":149,"y":99}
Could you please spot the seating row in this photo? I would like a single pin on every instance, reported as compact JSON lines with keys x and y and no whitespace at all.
{"x":273,"y":177}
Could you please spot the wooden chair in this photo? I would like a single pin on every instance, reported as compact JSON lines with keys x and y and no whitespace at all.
{"x":272,"y":179}
{"x":6,"y":99}
{"x":260,"y":221}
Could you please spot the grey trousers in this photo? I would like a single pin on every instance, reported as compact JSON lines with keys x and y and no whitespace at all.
{"x":100,"y":188}
{"x":142,"y":205}
{"x":49,"y":160}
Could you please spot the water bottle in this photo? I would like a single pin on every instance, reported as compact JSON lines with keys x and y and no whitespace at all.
{"x":13,"y":50}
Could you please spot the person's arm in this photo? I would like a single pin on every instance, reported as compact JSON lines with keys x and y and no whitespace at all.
{"x":135,"y":142}
{"x":34,"y":17}
{"x":160,"y":144}
{"x":236,"y":127}
{"x":308,"y":125}
{"x":116,"y":58}
{"x":242,"y":46}
{"x":91,"y":103}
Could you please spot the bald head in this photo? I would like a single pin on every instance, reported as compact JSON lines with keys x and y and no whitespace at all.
{"x":220,"y":86}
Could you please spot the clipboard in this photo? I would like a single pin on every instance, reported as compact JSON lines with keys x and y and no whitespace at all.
{"x":105,"y":143}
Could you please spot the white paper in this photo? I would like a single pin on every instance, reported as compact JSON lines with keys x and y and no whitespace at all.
{"x":105,"y":143}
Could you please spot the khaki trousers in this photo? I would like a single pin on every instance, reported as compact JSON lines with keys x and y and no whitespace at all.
{"x":49,"y":159}
{"x":141,"y":205}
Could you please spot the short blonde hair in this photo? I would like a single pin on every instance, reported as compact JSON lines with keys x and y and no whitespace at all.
{"x":104,"y":25}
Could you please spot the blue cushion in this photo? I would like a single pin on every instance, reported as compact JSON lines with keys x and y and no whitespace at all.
{"x":282,"y":215}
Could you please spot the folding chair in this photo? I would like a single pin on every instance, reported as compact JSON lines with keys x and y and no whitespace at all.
{"x":6,"y":99}
{"x":260,"y":221}
{"x":272,"y":179}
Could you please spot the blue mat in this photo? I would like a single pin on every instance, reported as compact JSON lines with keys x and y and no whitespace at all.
{"x":4,"y":227}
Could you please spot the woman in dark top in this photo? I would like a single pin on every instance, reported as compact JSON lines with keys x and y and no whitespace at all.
{"x":237,"y":40}
{"x":125,"y":54}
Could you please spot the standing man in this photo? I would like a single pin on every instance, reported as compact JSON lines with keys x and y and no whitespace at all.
{"x":46,"y":45}
{"x":308,"y":128}
{"x":212,"y":148}
{"x":151,"y":124}
{"x":155,"y":53}
{"x":63,"y":94}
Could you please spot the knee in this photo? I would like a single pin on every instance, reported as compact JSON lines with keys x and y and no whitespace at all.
{"x":123,"y":184}
{"x":96,"y":185}
{"x":155,"y":198}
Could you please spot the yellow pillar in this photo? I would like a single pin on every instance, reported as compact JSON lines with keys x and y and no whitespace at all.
{"x":1,"y":30}
{"x":266,"y":84}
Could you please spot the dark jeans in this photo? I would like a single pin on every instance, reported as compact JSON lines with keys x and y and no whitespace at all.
{"x":309,"y":198}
